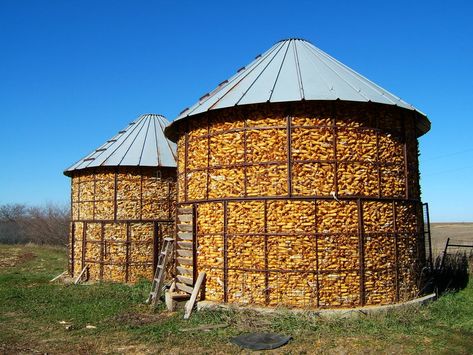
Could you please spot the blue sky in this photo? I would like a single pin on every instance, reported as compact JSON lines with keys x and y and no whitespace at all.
{"x":73,"y":73}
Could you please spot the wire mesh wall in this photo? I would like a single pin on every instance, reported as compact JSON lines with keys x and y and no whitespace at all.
{"x":308,"y":205}
{"x":119,"y":217}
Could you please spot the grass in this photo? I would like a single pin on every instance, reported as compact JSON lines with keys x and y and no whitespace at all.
{"x":31,"y":310}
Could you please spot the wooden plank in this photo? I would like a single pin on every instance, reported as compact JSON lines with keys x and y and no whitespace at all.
{"x":185,"y":261}
{"x":204,"y":328}
{"x":184,"y":252}
{"x":80,"y":275}
{"x":185,"y":280}
{"x":185,"y":218}
{"x":185,"y":245}
{"x":190,"y":304}
{"x":184,"y":235}
{"x":170,"y":304}
{"x":58,"y":276}
{"x":185,"y":271}
{"x":184,"y":287}
{"x":185,"y":227}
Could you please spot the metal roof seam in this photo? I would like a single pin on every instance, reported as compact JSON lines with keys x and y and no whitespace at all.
{"x":259,"y":75}
{"x":299,"y":75}
{"x":357,"y":76}
{"x":130,"y":144}
{"x":227,"y":87}
{"x":279,"y":72}
{"x":248,"y":72}
{"x":309,"y":74}
{"x":156,"y":139}
{"x":144,"y":142}
{"x":138,"y":146}
{"x":321,"y":75}
{"x":339,"y":76}
{"x":122,"y":140}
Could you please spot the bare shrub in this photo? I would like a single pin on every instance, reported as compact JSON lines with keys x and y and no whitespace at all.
{"x":47,"y":224}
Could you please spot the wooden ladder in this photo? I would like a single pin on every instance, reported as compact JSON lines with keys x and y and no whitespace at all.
{"x":184,"y":250}
{"x":159,"y":274}
{"x":184,"y":282}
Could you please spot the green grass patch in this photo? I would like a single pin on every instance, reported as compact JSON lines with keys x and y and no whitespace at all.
{"x":32,"y":309}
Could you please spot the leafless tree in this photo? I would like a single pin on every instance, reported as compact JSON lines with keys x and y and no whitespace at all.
{"x":47,"y":224}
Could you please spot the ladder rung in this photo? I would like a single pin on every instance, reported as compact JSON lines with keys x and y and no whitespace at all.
{"x":168,"y":239}
{"x":184,"y":252}
{"x":185,"y":245}
{"x":186,"y":280}
{"x":185,"y":270}
{"x":185,"y":227}
{"x":184,"y":210}
{"x":184,"y":287}
{"x":185,"y":218}
{"x":184,"y":235}
{"x":185,"y":261}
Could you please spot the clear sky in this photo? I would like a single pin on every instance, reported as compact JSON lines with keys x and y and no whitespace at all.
{"x":73,"y":73}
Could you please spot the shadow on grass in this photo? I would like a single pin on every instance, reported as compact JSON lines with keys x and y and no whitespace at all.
{"x":450,"y":273}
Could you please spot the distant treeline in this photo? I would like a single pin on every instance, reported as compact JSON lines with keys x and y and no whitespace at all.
{"x":20,"y":223}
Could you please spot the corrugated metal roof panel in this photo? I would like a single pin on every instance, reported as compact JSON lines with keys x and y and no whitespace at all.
{"x":142,"y":143}
{"x":294,"y":70}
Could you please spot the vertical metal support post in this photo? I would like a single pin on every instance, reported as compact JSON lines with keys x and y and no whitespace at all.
{"x":289,"y":155}
{"x":245,"y":158}
{"x":208,"y":161}
{"x":316,"y":255}
{"x":225,"y":253}
{"x":141,"y":197}
{"x":195,"y":242}
{"x":378,"y":162}
{"x":72,"y":248}
{"x":84,"y":243}
{"x":396,"y":249}
{"x":361,"y":251}
{"x":102,"y":249}
{"x":95,"y":193}
{"x":335,"y":138}
{"x":444,"y":255}
{"x":406,"y":163}
{"x":186,"y":161}
{"x":156,"y":244}
{"x":266,"y":274}
{"x":115,"y":202}
{"x":427,"y":224}
{"x":127,"y":260}
{"x":78,"y":198}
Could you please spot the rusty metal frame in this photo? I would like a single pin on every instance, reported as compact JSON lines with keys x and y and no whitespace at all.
{"x":194,"y":243}
{"x":361,"y":251}
{"x":359,"y":199}
{"x":103,"y":249}
{"x":127,"y":256}
{"x":225,"y":252}
{"x":396,"y":248}
{"x":266,"y":255}
{"x":289,"y":155}
{"x":72,"y":247}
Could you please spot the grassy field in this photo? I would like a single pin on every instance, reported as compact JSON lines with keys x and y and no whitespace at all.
{"x":34,"y":314}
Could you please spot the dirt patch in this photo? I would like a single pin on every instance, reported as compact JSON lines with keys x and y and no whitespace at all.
{"x":14,"y":258}
{"x":139,"y":319}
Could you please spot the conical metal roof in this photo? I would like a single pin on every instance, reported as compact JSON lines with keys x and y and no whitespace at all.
{"x":141,"y":143}
{"x":295,"y":70}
